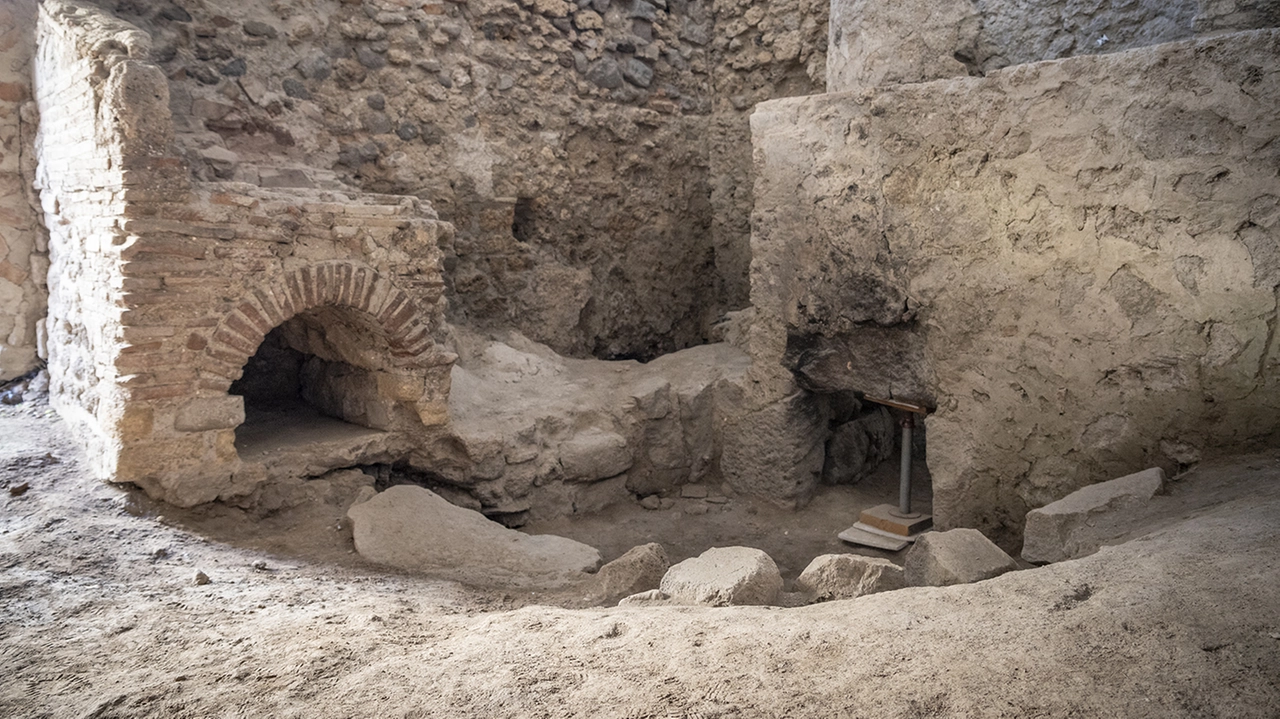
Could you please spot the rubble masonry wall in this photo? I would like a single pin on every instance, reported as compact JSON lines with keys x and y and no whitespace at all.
{"x":593,"y":156}
{"x":23,"y":242}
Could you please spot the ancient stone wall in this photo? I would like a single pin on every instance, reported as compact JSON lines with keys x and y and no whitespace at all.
{"x":23,"y":257}
{"x":592,"y":155}
{"x":1073,"y":261}
{"x":760,"y":51}
{"x":161,"y":289}
{"x":885,"y":43}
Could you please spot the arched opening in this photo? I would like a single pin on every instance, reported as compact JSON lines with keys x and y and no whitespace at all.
{"x":314,"y":382}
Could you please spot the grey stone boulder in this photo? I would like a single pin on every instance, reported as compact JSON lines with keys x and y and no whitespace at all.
{"x":724,"y":576}
{"x":413,"y":528}
{"x":1079,"y":523}
{"x":959,"y":556}
{"x":640,"y":569}
{"x":845,"y":576}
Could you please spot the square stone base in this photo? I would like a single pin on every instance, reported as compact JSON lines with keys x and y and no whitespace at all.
{"x":882,"y":517}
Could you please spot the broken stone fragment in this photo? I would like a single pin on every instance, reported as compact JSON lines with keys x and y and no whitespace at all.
{"x":235,"y":68}
{"x":255,"y":28}
{"x":588,"y":20}
{"x":315,"y":67}
{"x":605,"y":73}
{"x":369,"y":58}
{"x":295,"y":89}
{"x":959,"y":556}
{"x":724,"y":576}
{"x":639,"y":570}
{"x":551,"y":8}
{"x":643,"y":11}
{"x":1079,"y":523}
{"x":846,"y":576}
{"x":413,"y":528}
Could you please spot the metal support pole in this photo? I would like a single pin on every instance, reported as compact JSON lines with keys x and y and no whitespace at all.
{"x":904,"y":481}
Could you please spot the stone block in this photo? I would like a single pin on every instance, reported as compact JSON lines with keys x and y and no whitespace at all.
{"x":403,"y":387}
{"x":777,"y":450}
{"x":1079,"y":523}
{"x":724,"y":576}
{"x":640,"y":569}
{"x":135,"y":423}
{"x":846,"y":576}
{"x":412,"y":528}
{"x":959,"y":556}
{"x":594,"y":454}
{"x":206,"y":413}
{"x":885,"y":518}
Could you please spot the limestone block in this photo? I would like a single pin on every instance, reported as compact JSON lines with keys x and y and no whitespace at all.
{"x":640,"y":569}
{"x":776,"y":451}
{"x":724,"y":576}
{"x":959,"y":556}
{"x":594,"y":454}
{"x":413,"y":528}
{"x":845,"y":576}
{"x":408,"y":388}
{"x":206,"y":413}
{"x":135,"y":423}
{"x":1080,"y":522}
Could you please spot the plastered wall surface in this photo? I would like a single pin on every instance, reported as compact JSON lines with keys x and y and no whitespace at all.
{"x":23,"y":254}
{"x":1073,"y":261}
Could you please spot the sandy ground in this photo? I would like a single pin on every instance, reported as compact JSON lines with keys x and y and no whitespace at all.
{"x":100,"y":617}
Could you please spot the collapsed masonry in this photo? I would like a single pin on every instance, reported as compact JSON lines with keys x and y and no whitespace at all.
{"x":1072,"y":261}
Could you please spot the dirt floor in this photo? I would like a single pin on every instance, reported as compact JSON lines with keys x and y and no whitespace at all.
{"x":101,"y":616}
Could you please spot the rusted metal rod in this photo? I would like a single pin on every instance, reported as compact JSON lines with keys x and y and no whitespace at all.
{"x":904,"y":476}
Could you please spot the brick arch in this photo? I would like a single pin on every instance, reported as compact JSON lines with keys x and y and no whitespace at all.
{"x":328,"y":284}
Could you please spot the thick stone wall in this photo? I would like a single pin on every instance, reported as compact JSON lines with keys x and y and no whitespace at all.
{"x":761,"y":51}
{"x":592,"y":155}
{"x":161,"y":289}
{"x":1073,"y":261}
{"x":23,"y":243}
{"x":885,"y":43}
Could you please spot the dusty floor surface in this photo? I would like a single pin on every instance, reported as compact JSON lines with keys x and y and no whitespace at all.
{"x":99,"y":617}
